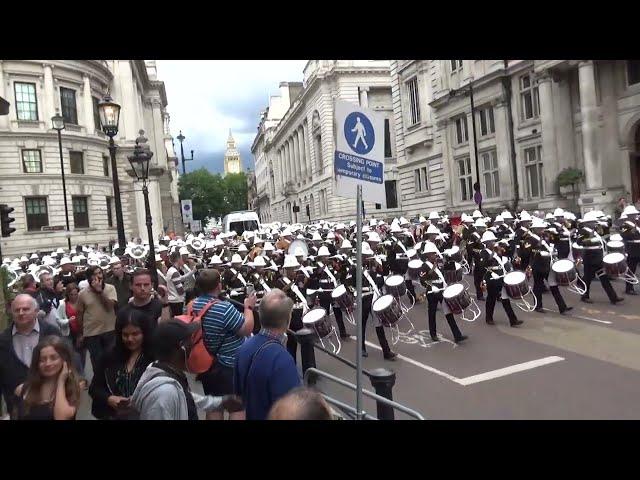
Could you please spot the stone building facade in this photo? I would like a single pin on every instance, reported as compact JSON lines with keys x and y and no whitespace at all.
{"x":30,"y":174}
{"x":296,"y":148}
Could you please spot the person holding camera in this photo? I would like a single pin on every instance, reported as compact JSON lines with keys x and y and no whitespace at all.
{"x":96,"y":315}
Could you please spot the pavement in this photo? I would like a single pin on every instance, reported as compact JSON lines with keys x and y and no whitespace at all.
{"x":581,"y":365}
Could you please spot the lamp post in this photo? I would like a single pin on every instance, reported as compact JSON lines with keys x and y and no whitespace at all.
{"x":181,"y":139}
{"x":453,"y":93}
{"x":109,"y":119}
{"x":140,"y":161}
{"x":58,"y":124}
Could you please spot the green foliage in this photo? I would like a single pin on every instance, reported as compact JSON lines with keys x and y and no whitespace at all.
{"x":570,"y":176}
{"x":6,"y":297}
{"x":212,"y":195}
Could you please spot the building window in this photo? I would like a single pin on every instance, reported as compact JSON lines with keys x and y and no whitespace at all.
{"x":323,"y":199}
{"x":109,"y":212}
{"x":421,"y":179}
{"x":456,"y":65}
{"x":391,"y":192}
{"x":487,"y":126}
{"x":387,"y":139}
{"x":490,"y":175}
{"x":414,"y":101}
{"x":535,"y":173}
{"x":77,"y":162}
{"x":633,"y":72}
{"x":466,"y":183}
{"x":68,"y":104}
{"x":96,"y":113}
{"x":37,"y":216}
{"x":31,"y":161}
{"x":462,"y":136}
{"x":530,"y":103}
{"x":318,"y":149}
{"x":26,"y":101}
{"x":105,"y":165}
{"x":80,"y":212}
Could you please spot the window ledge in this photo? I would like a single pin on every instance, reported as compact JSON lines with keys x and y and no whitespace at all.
{"x":421,"y":194}
{"x":29,"y":123}
{"x":39,"y":232}
{"x":529,"y":123}
{"x":461,"y":145}
{"x":415,"y":126}
{"x":487,"y":137}
{"x":72,"y":127}
{"x":84,"y":229}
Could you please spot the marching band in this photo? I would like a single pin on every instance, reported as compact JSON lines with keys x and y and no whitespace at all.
{"x":404,"y":263}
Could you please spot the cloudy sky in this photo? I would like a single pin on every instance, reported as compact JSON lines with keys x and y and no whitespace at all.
{"x":207,"y":98}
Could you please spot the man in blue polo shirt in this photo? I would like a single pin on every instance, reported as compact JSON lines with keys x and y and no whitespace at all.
{"x":264,"y":369}
{"x":224,"y":331}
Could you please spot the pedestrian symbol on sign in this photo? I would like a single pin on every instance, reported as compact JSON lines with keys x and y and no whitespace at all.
{"x":359,"y":133}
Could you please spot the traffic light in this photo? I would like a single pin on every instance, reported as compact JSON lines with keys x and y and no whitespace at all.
{"x":7,"y":230}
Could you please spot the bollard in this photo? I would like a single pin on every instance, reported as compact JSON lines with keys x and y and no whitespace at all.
{"x":306,"y":338}
{"x":383,"y":381}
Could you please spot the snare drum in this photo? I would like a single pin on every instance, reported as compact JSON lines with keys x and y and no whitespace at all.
{"x":388,"y":310}
{"x":453,"y":276}
{"x":396,"y":286}
{"x":565,"y":272}
{"x":454,"y":254}
{"x":318,"y":321}
{"x":343,"y":298}
{"x":402,"y":264}
{"x":615,"y":246}
{"x":515,"y":284}
{"x":577,"y":251}
{"x":414,"y":268}
{"x":614,"y":264}
{"x":456,"y":298}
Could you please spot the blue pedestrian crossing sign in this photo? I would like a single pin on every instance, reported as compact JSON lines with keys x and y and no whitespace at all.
{"x":359,"y":155}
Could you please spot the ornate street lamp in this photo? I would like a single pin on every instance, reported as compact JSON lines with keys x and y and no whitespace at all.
{"x":140,"y":161}
{"x":57,"y":122}
{"x":109,"y":119}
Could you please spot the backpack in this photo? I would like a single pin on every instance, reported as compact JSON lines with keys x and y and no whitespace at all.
{"x":200,"y":360}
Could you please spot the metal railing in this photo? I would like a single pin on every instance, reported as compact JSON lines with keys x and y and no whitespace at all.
{"x":314,"y":372}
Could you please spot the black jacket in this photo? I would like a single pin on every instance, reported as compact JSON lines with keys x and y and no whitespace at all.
{"x":103,"y":384}
{"x":12,"y":371}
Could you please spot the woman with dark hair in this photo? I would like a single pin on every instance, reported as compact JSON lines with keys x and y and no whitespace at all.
{"x":67,"y":314}
{"x":29,"y":285}
{"x":52,"y":390}
{"x":120,"y":369}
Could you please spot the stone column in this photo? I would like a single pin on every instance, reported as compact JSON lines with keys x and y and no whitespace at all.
{"x":589,"y":114}
{"x":296,"y":156}
{"x":565,"y":132}
{"x":87,"y":105}
{"x":503,"y":150}
{"x":129,"y":130}
{"x":613,"y":174}
{"x":303,"y":157}
{"x":287,"y":162}
{"x":364,"y":97}
{"x":160,"y":154}
{"x":292,"y":166}
{"x":307,"y":151}
{"x":49,"y":109}
{"x":549,"y":147}
{"x":4,"y":119}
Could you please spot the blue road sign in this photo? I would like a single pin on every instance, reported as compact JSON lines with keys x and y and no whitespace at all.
{"x":359,"y":133}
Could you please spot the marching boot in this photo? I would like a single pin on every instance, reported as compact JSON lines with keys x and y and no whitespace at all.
{"x":513,"y":320}
{"x":457,"y":334}
{"x":337,"y":313}
{"x":608,"y":288}
{"x":557,"y":296}
{"x":386,"y":350}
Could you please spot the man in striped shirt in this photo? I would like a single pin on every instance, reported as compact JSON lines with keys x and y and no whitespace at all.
{"x":175,"y":283}
{"x":224,"y":329}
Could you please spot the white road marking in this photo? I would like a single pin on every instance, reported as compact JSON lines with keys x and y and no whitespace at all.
{"x":502,"y":372}
{"x":482,"y":377}
{"x":570,"y":315}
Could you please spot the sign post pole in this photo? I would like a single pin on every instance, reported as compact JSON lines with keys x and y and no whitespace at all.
{"x":358,"y":168}
{"x":359,"y":319}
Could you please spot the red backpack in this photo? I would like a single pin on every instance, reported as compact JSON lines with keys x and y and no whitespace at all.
{"x":200,"y":360}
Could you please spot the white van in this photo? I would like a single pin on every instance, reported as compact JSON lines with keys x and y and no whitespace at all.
{"x":239,"y":222}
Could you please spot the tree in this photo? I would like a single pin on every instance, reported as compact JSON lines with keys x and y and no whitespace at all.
{"x":570,"y":176}
{"x":212,"y":195}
